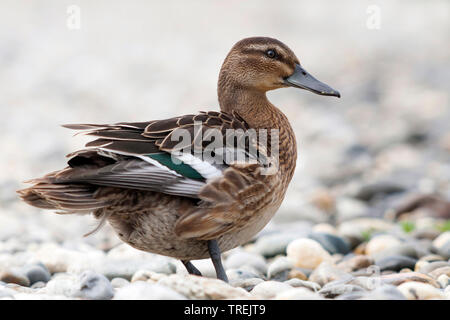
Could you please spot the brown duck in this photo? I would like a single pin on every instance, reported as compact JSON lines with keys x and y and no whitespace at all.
{"x":180,"y":204}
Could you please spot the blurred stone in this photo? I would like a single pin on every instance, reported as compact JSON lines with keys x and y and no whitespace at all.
{"x":354,"y":263}
{"x":306,"y":253}
{"x":297,"y":283}
{"x":140,"y":290}
{"x":119,"y":283}
{"x":95,"y":286}
{"x":14,"y":276}
{"x":37,"y":273}
{"x":378,"y":190}
{"x":380,"y":243}
{"x":241,"y":258}
{"x":326,"y":272}
{"x":333,"y":244}
{"x":420,"y":291}
{"x":399,"y":278}
{"x":279,"y":269}
{"x":430,"y":266}
{"x":269,"y":289}
{"x":395,"y":263}
{"x":349,"y":209}
{"x":297,"y":294}
{"x":436,"y":273}
{"x":296,"y":273}
{"x":195,"y":287}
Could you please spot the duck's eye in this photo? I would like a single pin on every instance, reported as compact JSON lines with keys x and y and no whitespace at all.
{"x":271,"y":53}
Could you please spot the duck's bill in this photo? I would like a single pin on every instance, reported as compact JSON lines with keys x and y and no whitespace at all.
{"x":303,"y":80}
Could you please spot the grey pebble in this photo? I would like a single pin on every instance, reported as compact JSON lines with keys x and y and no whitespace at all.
{"x":432,"y":266}
{"x":279,"y":269}
{"x":36,"y":273}
{"x":333,"y":244}
{"x":274,"y":244}
{"x":404,"y":249}
{"x":95,"y":286}
{"x":241,"y":258}
{"x":444,"y":250}
{"x":332,"y":290}
{"x":395,"y":263}
{"x":297,"y":283}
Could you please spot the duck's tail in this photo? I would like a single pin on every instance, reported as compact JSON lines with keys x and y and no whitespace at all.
{"x":45,"y":193}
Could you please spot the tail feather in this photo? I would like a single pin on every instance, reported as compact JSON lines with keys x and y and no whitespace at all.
{"x":68,"y":198}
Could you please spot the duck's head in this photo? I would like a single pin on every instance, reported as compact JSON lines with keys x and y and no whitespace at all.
{"x":261,"y":64}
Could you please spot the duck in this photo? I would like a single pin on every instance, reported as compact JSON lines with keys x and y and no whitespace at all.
{"x":160,"y":198}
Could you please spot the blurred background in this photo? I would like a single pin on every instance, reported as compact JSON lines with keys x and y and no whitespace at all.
{"x":382,"y":150}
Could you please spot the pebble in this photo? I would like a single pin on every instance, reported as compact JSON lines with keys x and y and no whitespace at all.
{"x":279,"y":269}
{"x":119,"y":283}
{"x":246,"y":284}
{"x":332,"y":243}
{"x":427,"y":267}
{"x":441,"y":240}
{"x":63,"y":284}
{"x":141,"y":290}
{"x":14,"y":276}
{"x":420,"y":291}
{"x":194,"y":287}
{"x":241,"y":258}
{"x":306,"y":253}
{"x":298,"y":273}
{"x":241,"y":274}
{"x":385,"y":292}
{"x":331,"y":290}
{"x":269,"y":289}
{"x":272,"y":245}
{"x":404,"y":249}
{"x":297,"y":283}
{"x":443,"y":280}
{"x":380,"y":243}
{"x":146,"y":275}
{"x":350,"y":208}
{"x":95,"y":286}
{"x":395,"y":263}
{"x":37,"y":273}
{"x":436,"y":273}
{"x":399,"y":278}
{"x":326,"y":272}
{"x":356,"y":230}
{"x":355,"y":262}
{"x":297,"y":294}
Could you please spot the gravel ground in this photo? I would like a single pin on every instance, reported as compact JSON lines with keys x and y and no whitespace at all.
{"x":367,"y":215}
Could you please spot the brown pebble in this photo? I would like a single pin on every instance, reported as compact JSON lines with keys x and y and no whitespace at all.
{"x":297,"y":274}
{"x":355,"y":263}
{"x":360,"y":249}
{"x":12,"y":277}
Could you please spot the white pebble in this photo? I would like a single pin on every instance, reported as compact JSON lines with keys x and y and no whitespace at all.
{"x":307,"y":253}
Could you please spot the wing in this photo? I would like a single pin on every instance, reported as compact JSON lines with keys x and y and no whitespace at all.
{"x":151,"y":155}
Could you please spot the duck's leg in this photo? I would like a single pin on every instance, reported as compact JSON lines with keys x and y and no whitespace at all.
{"x":214,"y":252}
{"x":191,"y":268}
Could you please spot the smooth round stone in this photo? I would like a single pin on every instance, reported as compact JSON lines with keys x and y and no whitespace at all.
{"x":298,"y":273}
{"x":333,"y":290}
{"x":140,"y":290}
{"x":332,"y":243}
{"x":399,"y":278}
{"x":119,"y":283}
{"x":279,"y":269}
{"x":63,"y":284}
{"x":242,"y":258}
{"x":195,"y":287}
{"x":355,"y":262}
{"x":436,"y":273}
{"x":14,"y":276}
{"x":326,"y":272}
{"x":95,"y":286}
{"x":395,"y":263}
{"x":324,"y":228}
{"x":37,"y":273}
{"x":241,"y":274}
{"x":404,"y":249}
{"x":420,"y":291}
{"x":246,"y":284}
{"x":380,"y":243}
{"x":147,"y":275}
{"x":384,"y":292}
{"x":443,"y":280}
{"x":432,"y":258}
{"x":430,"y":266}
{"x":441,"y":240}
{"x":444,"y":251}
{"x":297,"y":283}
{"x":269,"y":289}
{"x":38,"y":285}
{"x":297,"y":294}
{"x":307,"y":253}
{"x":272,"y":245}
{"x":350,"y":208}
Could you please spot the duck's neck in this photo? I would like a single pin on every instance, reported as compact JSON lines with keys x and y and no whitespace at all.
{"x":254,"y":107}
